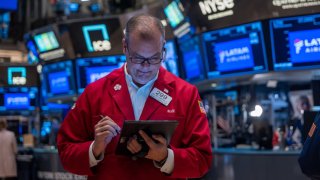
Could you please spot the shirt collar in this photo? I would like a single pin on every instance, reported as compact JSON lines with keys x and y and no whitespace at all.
{"x":130,"y":80}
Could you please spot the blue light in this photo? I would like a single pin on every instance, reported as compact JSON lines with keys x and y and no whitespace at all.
{"x":97,"y":27}
{"x":59,"y":82}
{"x":21,"y":70}
{"x":232,"y":55}
{"x":304,"y":46}
{"x":174,"y":14}
{"x":16,"y":100}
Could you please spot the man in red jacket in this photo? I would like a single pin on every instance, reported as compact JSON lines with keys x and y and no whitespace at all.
{"x":90,"y":132}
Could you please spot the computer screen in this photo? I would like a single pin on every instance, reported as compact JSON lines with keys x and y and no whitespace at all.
{"x":18,"y":75}
{"x":174,"y":13}
{"x":192,"y":61}
{"x":91,"y":69}
{"x":18,"y":98}
{"x":235,"y":50}
{"x":96,"y":37}
{"x":33,"y":55}
{"x":58,"y":79}
{"x":9,"y":5}
{"x":178,"y":19}
{"x":171,"y":58}
{"x":46,"y":41}
{"x":295,"y":42}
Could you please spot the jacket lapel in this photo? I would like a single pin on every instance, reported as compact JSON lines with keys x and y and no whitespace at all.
{"x":120,"y":94}
{"x":151,"y":105}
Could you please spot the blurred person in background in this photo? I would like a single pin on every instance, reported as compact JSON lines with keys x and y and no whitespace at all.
{"x":8,"y":151}
{"x":296,"y":124}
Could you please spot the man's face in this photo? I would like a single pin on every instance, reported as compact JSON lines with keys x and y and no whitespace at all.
{"x":138,"y":48}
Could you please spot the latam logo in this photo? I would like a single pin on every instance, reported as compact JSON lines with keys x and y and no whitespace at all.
{"x":216,"y":9}
{"x":17,"y":76}
{"x":311,"y":46}
{"x":96,"y":45}
{"x":304,"y":46}
{"x":235,"y":54}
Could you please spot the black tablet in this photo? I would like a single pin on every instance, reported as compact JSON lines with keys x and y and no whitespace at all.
{"x":131,"y":128}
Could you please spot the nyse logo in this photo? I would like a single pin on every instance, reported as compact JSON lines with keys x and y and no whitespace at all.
{"x":96,"y":45}
{"x":17,"y":76}
{"x":214,"y":6}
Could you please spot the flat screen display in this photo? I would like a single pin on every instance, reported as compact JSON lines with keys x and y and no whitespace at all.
{"x":235,"y":50}
{"x":18,"y":98}
{"x":58,"y":79}
{"x":46,"y":41}
{"x":14,"y":75}
{"x":10,"y":5}
{"x":174,"y":14}
{"x":96,"y":37}
{"x":171,"y":58}
{"x":295,"y":42}
{"x":91,"y":69}
{"x":191,"y":55}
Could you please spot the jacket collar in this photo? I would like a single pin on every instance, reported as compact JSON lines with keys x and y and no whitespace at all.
{"x":120,"y":93}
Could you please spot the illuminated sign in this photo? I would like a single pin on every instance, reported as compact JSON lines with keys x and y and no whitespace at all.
{"x":59,"y":82}
{"x":94,"y":45}
{"x":236,"y":54}
{"x":95,"y":73}
{"x":294,"y":4}
{"x":304,"y":45}
{"x":46,"y":41}
{"x":216,"y":9}
{"x":174,"y":14}
{"x":16,"y":100}
{"x":17,"y":76}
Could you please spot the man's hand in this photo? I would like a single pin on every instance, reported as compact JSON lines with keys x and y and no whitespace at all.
{"x":105,"y":130}
{"x":157,"y":151}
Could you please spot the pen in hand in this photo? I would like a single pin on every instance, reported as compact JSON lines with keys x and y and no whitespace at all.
{"x":115,"y":126}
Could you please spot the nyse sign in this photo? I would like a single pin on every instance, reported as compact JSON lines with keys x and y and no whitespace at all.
{"x":216,"y":9}
{"x":96,"y":45}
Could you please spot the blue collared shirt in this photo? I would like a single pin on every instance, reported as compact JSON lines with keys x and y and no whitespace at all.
{"x":138,"y":95}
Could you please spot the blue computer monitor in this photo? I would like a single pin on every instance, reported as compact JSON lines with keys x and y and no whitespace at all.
{"x":8,"y":5}
{"x":58,"y":80}
{"x":171,"y":58}
{"x":178,"y":19}
{"x":295,"y":42}
{"x":235,"y":50}
{"x":46,"y":41}
{"x":91,"y":69}
{"x":192,"y":60}
{"x":18,"y":98}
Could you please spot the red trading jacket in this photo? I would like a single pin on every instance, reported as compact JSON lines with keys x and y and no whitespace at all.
{"x":190,"y":141}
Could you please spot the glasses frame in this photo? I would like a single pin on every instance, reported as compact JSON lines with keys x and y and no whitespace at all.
{"x":163,"y":52}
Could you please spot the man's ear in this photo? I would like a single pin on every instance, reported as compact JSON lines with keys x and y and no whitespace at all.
{"x":124,"y":45}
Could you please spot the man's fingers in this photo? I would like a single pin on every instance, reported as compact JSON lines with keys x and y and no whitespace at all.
{"x":146,"y":138}
{"x":160,"y":138}
{"x":107,"y":121}
{"x":106,"y":128}
{"x":133,"y":145}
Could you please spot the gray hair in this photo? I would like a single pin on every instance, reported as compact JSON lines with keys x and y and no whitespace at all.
{"x":144,"y":24}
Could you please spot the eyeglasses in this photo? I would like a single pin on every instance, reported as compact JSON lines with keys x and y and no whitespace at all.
{"x":151,"y":60}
